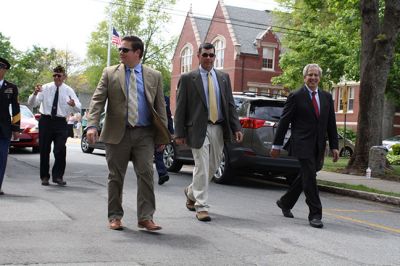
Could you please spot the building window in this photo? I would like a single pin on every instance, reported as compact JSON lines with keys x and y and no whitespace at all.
{"x":219,"y":54}
{"x":268,"y":58}
{"x":350,"y":100}
{"x":186,"y":60}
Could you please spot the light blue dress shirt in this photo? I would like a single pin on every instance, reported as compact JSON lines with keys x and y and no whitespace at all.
{"x":204,"y":78}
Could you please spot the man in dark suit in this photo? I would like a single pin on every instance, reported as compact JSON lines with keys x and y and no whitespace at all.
{"x":9,"y":125}
{"x":205,"y":117}
{"x":158,"y":154}
{"x":310,"y":112}
{"x":135,"y":122}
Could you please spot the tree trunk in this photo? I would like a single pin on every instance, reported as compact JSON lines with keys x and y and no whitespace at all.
{"x":389,"y":110}
{"x":377,"y":49}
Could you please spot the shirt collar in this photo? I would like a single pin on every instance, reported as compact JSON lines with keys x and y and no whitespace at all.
{"x":137,"y":68}
{"x":310,"y":91}
{"x":205,"y":72}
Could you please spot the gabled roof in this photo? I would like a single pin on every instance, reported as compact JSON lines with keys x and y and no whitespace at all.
{"x":202,"y":24}
{"x":247,"y":24}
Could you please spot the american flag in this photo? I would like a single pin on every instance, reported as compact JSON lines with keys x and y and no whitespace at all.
{"x":115,"y":38}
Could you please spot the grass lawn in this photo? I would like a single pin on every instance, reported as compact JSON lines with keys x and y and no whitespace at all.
{"x":342,"y":163}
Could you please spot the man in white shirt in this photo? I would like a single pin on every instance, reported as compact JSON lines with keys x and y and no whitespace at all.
{"x":56,"y":100}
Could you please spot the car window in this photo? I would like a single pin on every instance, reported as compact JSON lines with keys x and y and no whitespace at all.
{"x":266,"y":110}
{"x":25,"y":112}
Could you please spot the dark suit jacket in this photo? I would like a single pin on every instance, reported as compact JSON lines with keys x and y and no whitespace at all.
{"x":308,"y":133}
{"x":191,"y":114}
{"x":9,"y":95}
{"x":111,"y":88}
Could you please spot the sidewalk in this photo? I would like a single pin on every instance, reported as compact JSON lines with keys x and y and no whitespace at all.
{"x":374,"y":183}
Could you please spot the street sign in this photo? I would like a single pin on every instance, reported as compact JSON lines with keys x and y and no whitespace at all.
{"x":345,"y":98}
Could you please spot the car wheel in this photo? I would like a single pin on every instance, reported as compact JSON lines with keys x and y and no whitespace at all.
{"x":169,"y":159}
{"x":224,"y":174}
{"x":346,"y":152}
{"x":85,"y":145}
{"x":35,"y":149}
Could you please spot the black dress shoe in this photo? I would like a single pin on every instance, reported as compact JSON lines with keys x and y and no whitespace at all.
{"x":316,"y":223}
{"x":45,"y":181}
{"x":286,"y":212}
{"x":60,"y":182}
{"x":163,"y":179}
{"x":1,"y":192}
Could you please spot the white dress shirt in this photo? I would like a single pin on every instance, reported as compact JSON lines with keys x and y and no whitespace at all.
{"x":46,"y":96}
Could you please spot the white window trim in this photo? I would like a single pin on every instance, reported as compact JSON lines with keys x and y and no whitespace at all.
{"x":273,"y":58}
{"x":217,"y":52}
{"x":340,"y":111}
{"x":188,"y":46}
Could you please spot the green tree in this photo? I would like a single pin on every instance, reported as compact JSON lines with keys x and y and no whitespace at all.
{"x":145,"y":19}
{"x":322,"y":32}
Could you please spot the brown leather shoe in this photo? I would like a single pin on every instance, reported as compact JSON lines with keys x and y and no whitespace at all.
{"x":189,"y":203}
{"x":115,"y":224}
{"x":149,"y":225}
{"x":45,"y":181}
{"x":203,"y":216}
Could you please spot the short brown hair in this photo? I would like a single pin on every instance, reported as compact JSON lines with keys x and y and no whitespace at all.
{"x":59,"y":69}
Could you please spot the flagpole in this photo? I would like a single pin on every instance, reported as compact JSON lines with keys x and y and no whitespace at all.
{"x":109,"y":38}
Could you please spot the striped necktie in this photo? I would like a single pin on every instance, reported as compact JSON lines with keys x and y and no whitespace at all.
{"x":315,"y":104}
{"x":132,"y":98}
{"x":212,"y":100}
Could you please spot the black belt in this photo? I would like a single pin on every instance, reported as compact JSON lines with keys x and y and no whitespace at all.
{"x":135,"y":127}
{"x":53,"y":118}
{"x":219,"y":122}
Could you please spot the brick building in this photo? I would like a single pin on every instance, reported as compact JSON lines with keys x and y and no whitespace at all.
{"x":246,"y":48}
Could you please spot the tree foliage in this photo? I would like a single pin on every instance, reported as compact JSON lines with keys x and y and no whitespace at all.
{"x":145,"y":19}
{"x":322,"y":32}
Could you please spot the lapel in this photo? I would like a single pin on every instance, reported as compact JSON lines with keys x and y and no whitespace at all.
{"x":307,"y":99}
{"x":121,"y":77}
{"x":147,"y":85}
{"x":222,"y":84}
{"x":322,"y":102}
{"x":198,"y":84}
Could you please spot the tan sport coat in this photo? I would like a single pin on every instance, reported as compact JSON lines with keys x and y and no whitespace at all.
{"x":111,"y":89}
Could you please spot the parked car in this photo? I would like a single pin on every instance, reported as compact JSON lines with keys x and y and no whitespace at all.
{"x":389,"y":142}
{"x":346,"y":148}
{"x":29,"y":136}
{"x":259,"y":117}
{"x":88,"y":148}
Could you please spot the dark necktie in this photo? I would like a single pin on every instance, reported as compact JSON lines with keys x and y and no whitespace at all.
{"x":315,"y":104}
{"x":54,"y":106}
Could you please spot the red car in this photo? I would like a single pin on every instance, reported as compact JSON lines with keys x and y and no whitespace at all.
{"x":29,"y":136}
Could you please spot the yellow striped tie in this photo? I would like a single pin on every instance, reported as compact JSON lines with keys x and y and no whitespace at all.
{"x":212,"y":100}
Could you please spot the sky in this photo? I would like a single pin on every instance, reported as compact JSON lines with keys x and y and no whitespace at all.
{"x":67,"y":24}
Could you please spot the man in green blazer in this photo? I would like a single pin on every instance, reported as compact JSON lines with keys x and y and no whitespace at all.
{"x":135,"y":122}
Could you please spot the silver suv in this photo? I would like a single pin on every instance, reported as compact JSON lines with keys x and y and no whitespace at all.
{"x":259,"y":116}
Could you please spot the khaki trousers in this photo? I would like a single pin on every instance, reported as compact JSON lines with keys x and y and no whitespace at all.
{"x":206,"y":161}
{"x":137,"y":146}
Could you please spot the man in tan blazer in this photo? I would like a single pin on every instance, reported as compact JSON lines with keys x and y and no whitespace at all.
{"x":205,"y":117}
{"x":135,"y":122}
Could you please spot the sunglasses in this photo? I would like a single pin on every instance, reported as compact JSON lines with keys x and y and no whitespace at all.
{"x":208,"y":55}
{"x":3,"y":66}
{"x":124,"y":50}
{"x":57,"y":76}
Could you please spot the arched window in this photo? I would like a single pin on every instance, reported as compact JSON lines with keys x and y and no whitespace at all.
{"x":186,"y":59}
{"x":219,"y":53}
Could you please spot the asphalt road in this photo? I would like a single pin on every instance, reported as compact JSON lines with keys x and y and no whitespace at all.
{"x":68,"y":225}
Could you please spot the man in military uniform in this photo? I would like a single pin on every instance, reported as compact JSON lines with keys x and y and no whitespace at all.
{"x":8,"y":125}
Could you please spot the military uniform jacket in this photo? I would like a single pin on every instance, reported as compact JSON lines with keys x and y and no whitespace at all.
{"x":9,"y":96}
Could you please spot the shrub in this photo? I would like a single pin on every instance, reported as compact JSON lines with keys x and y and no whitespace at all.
{"x":396,"y":149}
{"x":349,"y":134}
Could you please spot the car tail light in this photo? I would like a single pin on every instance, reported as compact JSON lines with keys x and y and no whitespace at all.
{"x":249,"y":122}
{"x":31,"y":130}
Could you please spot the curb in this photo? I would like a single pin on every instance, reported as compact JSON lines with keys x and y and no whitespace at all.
{"x":362,"y":195}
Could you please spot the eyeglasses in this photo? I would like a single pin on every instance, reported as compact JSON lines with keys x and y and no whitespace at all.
{"x":208,"y":55}
{"x":124,"y":50}
{"x":57,"y":76}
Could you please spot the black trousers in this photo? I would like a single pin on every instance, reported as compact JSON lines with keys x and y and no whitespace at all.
{"x":305,"y":181}
{"x":52,"y":131}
